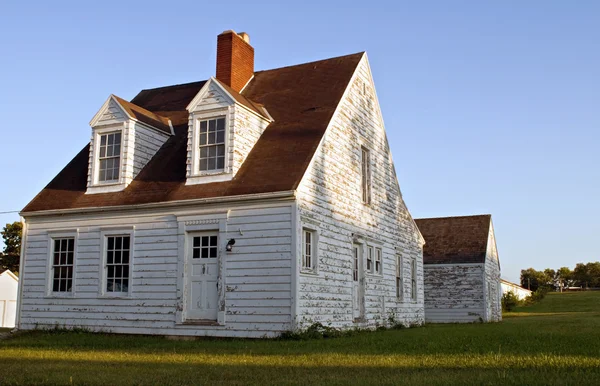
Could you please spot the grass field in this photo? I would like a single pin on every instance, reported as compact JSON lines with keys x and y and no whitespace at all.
{"x":555,"y":342}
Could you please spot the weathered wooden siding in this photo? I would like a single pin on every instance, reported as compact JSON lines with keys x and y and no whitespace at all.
{"x":243,"y":130}
{"x":493,"y":290}
{"x":454,"y":293}
{"x":257,"y":274}
{"x":248,"y":127}
{"x":146,"y":143}
{"x":329,"y":198}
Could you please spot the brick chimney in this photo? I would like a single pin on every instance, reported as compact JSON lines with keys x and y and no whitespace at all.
{"x":235,"y":59}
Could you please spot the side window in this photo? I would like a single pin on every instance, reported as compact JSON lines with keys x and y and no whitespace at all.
{"x":63,"y":257}
{"x":370,"y":259}
{"x":356,"y":258}
{"x":212,"y":145}
{"x":378,"y":261}
{"x":399,"y":276}
{"x":109,"y":157}
{"x":366,"y":175}
{"x":309,"y":250}
{"x":117,"y":269}
{"x":413,"y":279}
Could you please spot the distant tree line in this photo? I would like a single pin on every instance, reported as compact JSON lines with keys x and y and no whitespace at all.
{"x":583,"y":275}
{"x":10,"y":256}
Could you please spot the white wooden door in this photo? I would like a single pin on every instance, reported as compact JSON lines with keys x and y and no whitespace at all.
{"x":203,"y":275}
{"x":356,"y":280}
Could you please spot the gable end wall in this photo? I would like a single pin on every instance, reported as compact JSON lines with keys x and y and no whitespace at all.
{"x":329,"y":198}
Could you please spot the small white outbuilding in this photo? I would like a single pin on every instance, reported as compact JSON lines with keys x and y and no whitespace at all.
{"x":9,"y":285}
{"x":520,"y":292}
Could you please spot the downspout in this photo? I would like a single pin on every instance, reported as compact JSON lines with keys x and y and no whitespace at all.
{"x":21,"y":276}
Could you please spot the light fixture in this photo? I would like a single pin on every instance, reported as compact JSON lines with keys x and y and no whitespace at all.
{"x":229,"y":245}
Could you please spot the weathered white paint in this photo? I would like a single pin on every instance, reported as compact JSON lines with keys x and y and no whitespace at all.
{"x":454,"y":293}
{"x":493,"y":291}
{"x":261,"y":289}
{"x":244,"y":127}
{"x":520,"y":292}
{"x":256,"y":275}
{"x":329,"y":197}
{"x":463,"y":293}
{"x":9,"y":284}
{"x":139,"y":143}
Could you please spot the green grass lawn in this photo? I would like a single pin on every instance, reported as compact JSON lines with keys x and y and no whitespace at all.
{"x":555,"y":342}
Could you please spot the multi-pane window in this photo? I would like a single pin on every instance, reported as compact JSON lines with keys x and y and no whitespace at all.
{"x":62,"y":264}
{"x":366,"y":175}
{"x":370,"y":259}
{"x":378,"y":257}
{"x":398,"y":276}
{"x":117,"y":263}
{"x":212,"y":144}
{"x":413,"y":279}
{"x":205,"y":247}
{"x":356,"y":262}
{"x":109,"y":157}
{"x":308,"y":250}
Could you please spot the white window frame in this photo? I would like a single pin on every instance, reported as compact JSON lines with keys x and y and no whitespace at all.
{"x":378,"y":259}
{"x":216,"y":170}
{"x":98,"y":133}
{"x":314,"y":231}
{"x":105,"y":233}
{"x":370,"y":259}
{"x":365,"y":175}
{"x":196,"y":176}
{"x":413,"y":280}
{"x":61,"y":234}
{"x":399,"y":279}
{"x":120,"y":159}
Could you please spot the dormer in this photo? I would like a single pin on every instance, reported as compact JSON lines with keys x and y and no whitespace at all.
{"x":124,"y":138}
{"x":223,"y":124}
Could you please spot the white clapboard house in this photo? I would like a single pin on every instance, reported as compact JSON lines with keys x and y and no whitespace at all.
{"x":244,"y":205}
{"x":461,"y":270}
{"x":9,"y":283}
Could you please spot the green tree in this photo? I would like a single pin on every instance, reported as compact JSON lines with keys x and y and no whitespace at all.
{"x":581,"y":275}
{"x":9,"y":258}
{"x":564,"y":277}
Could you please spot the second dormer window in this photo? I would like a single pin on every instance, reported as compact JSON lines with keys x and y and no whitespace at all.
{"x":212,"y":145}
{"x":109,"y":157}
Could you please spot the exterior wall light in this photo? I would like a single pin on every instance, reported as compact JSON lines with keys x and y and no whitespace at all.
{"x":229,"y":245}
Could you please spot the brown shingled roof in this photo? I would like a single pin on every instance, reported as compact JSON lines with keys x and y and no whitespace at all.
{"x":301,"y":99}
{"x":451,"y":240}
{"x":143,"y":115}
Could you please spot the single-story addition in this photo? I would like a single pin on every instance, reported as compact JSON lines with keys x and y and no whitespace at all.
{"x":462,"y":270}
{"x":520,"y":292}
{"x":245,"y":205}
{"x":9,"y":283}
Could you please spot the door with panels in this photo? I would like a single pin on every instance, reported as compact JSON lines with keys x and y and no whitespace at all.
{"x":203,"y":276}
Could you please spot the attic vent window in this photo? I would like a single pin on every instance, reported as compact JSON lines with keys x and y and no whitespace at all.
{"x":212,"y":145}
{"x":110,"y":157}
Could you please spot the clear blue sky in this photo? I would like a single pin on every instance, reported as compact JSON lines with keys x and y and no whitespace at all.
{"x":489,"y":108}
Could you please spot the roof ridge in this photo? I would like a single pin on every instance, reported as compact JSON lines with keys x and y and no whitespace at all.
{"x":255,"y":72}
{"x":447,"y":217}
{"x":313,"y":62}
{"x":174,"y":85}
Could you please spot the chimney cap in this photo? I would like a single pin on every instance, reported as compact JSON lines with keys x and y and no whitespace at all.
{"x":245,"y":36}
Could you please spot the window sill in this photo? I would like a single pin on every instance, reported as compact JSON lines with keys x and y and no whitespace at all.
{"x":116,"y":296}
{"x":309,"y":273}
{"x":58,"y":295}
{"x":106,"y":188}
{"x":207,"y":178}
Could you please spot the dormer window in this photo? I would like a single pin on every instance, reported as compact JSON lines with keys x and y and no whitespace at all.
{"x":124,"y":139}
{"x":212,"y":145}
{"x":223,"y":128}
{"x":109,"y":157}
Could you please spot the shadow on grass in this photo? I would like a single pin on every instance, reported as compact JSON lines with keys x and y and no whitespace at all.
{"x":49,"y":371}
